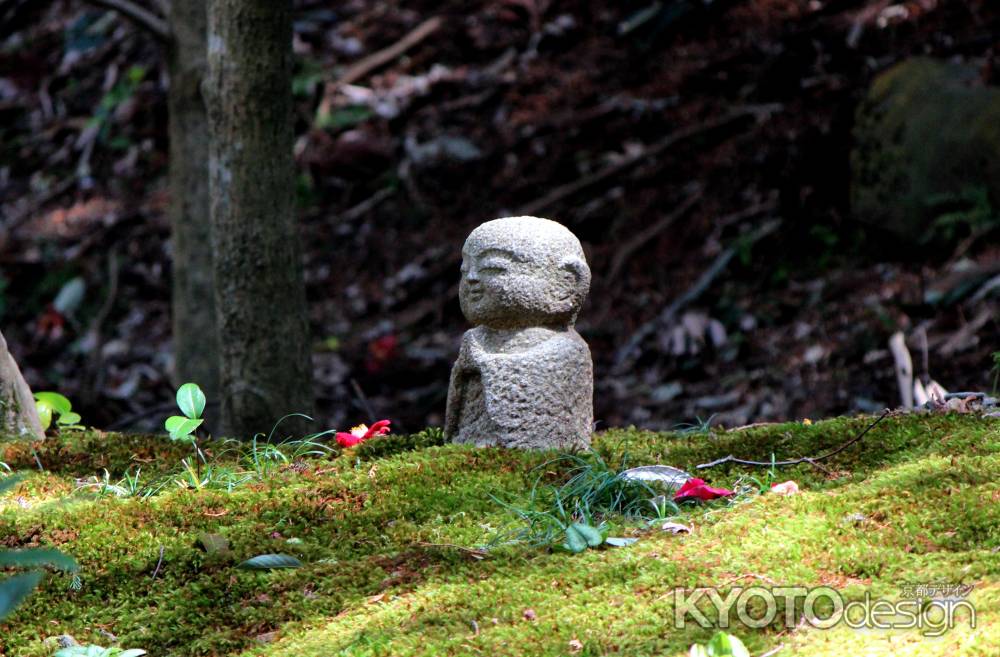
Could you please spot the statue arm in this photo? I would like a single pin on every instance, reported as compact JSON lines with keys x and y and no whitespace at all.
{"x":456,"y":390}
{"x":453,"y":409}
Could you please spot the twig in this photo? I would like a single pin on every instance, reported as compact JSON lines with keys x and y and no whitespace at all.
{"x":903,"y":364}
{"x":138,"y":15}
{"x":630,"y":246}
{"x":382,"y":57}
{"x":158,"y":564}
{"x":569,"y":189}
{"x":357,"y":211}
{"x":806,"y":459}
{"x":377,"y":60}
{"x":622,"y":359}
{"x":58,"y":189}
{"x":773,"y":651}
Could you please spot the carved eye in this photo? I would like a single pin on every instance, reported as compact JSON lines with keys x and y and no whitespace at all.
{"x":493,"y":267}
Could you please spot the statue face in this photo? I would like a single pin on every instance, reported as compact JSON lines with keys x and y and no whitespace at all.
{"x":521,"y":278}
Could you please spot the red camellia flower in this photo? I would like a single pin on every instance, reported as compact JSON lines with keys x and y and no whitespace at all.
{"x":361,"y":433}
{"x":697,"y":489}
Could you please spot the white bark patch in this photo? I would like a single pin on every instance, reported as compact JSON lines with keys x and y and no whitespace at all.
{"x":216,"y":46}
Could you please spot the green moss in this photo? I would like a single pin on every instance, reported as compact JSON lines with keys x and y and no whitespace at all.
{"x":386,"y":531}
{"x":925,"y":133}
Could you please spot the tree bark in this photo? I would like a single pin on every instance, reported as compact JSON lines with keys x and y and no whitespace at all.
{"x":18,"y":416}
{"x":260,"y":294}
{"x":196,"y":342}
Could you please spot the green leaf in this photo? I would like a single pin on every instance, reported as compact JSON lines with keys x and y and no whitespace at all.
{"x":270,"y":562}
{"x":180,"y":427}
{"x":739,"y":650}
{"x":214,"y":543}
{"x":71,"y":651}
{"x":55,"y":401}
{"x":614,"y":541}
{"x":132,"y":652}
{"x":191,"y":400}
{"x":44,"y":414}
{"x":726,"y":645}
{"x":575,"y":541}
{"x":69,"y":418}
{"x":14,"y":590}
{"x":36,"y":558}
{"x":343,"y":118}
{"x":590,"y":534}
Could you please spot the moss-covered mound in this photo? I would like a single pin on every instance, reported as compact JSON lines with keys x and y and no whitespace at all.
{"x":390,"y":539}
{"x":926,"y":138}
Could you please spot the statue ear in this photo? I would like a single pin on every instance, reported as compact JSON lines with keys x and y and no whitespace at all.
{"x":578,"y":271}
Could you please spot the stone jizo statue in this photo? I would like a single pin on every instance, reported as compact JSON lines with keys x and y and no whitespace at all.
{"x":524,"y":377}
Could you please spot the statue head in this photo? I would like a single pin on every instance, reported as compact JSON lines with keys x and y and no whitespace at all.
{"x":523,"y":271}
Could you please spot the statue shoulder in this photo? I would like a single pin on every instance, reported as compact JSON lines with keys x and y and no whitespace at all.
{"x":567,"y":342}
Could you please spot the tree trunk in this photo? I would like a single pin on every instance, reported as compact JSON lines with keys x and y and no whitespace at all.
{"x":18,"y":417}
{"x":260,"y":294}
{"x":196,"y":342}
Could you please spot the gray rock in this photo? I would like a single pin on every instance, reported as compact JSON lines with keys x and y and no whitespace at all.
{"x":524,"y":377}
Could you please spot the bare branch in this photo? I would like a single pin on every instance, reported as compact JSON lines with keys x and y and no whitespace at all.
{"x":139,"y":15}
{"x":806,"y":459}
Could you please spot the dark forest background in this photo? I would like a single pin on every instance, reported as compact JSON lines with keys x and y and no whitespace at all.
{"x":702,"y":151}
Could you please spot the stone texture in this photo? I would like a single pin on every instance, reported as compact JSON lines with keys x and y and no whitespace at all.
{"x":926,"y":139}
{"x":18,"y":417}
{"x":524,"y":377}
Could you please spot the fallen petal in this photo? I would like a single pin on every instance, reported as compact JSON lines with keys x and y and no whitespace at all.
{"x":785,"y":488}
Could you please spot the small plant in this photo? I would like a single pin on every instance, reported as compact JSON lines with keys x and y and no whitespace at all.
{"x":968,"y":212}
{"x":98,"y":651}
{"x":52,"y":404}
{"x":14,"y":589}
{"x":191,"y":401}
{"x":565,"y":514}
{"x":697,"y":427}
{"x":720,"y":645}
{"x":130,"y":485}
{"x":663,"y":509}
{"x":580,"y":536}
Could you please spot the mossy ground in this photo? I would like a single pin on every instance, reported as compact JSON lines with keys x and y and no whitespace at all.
{"x":382,"y":532}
